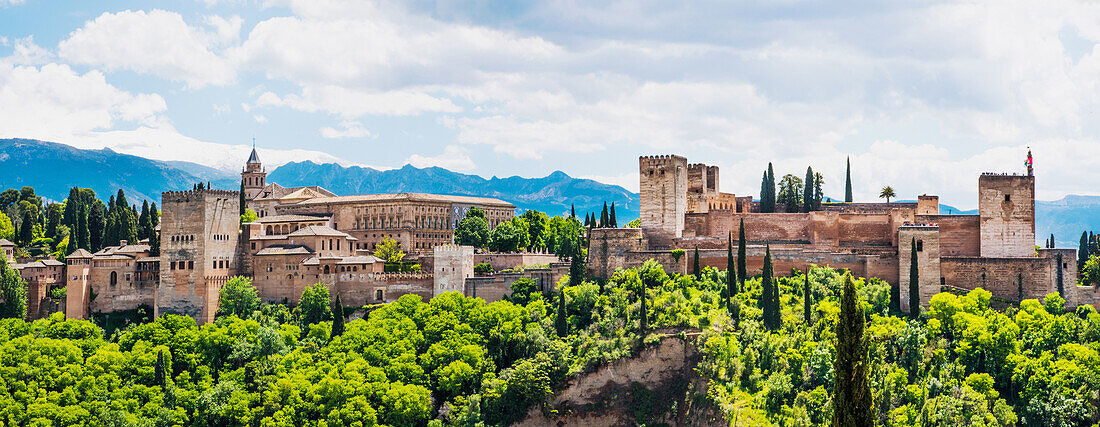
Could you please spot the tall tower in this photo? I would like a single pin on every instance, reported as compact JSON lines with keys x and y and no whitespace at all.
{"x":664,"y":187}
{"x":198,"y":237}
{"x":1006,"y":205}
{"x":253,"y":176}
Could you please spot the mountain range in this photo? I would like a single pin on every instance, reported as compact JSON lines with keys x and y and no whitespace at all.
{"x":52,"y":168}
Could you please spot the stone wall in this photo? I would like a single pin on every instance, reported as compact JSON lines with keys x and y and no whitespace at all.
{"x":960,"y":235}
{"x":199,"y":241}
{"x":76,"y":287}
{"x":504,"y":261}
{"x":927,"y":239}
{"x":1006,"y":205}
{"x":663,"y":194}
{"x":452,"y":266}
{"x":608,"y":249}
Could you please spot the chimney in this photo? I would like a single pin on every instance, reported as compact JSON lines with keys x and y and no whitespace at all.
{"x":122,"y":243}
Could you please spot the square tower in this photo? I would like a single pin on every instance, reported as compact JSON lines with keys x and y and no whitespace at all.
{"x":198,"y":236}
{"x":453,"y":264}
{"x":1006,"y":205}
{"x":663,"y":186}
{"x":927,"y":240}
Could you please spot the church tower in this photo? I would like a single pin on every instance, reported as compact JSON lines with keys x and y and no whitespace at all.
{"x":253,"y":176}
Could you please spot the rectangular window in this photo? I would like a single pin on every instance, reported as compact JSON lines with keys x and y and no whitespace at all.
{"x":1008,"y":197}
{"x":920,"y":245}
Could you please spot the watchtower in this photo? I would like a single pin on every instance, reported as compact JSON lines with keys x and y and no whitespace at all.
{"x":253,"y":176}
{"x":1006,"y":205}
{"x":663,"y":187}
{"x":199,"y":232}
{"x":927,"y":241}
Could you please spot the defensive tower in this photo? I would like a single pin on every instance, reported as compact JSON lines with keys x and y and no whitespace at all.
{"x":1006,"y":205}
{"x":663,"y":186}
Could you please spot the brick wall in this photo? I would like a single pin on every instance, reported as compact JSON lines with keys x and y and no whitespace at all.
{"x":1006,"y":205}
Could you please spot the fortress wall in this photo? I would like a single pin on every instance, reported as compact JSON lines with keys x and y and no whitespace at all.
{"x":864,"y":229}
{"x":608,"y":249}
{"x":362,"y":288}
{"x":502,"y":261}
{"x":794,"y":227}
{"x":1003,"y":277}
{"x":960,"y":235}
{"x":786,"y":258}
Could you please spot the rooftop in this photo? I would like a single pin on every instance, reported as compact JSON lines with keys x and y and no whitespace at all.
{"x":320,"y":230}
{"x":412,"y":197}
{"x":291,"y":218}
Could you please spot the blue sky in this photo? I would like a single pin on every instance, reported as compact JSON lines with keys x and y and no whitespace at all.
{"x":922,"y":96}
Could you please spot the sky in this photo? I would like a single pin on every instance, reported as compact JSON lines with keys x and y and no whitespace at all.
{"x":922,"y":96}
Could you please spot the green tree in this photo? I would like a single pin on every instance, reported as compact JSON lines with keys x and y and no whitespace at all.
{"x":338,"y":318}
{"x":473,"y":230}
{"x":509,"y":236}
{"x":160,"y":372}
{"x":605,"y":217}
{"x":696,"y":270}
{"x":14,"y":290}
{"x":1083,"y":250}
{"x":614,"y":221}
{"x":769,"y":298}
{"x":26,"y":229}
{"x":577,"y":271}
{"x":1090,"y":274}
{"x":54,"y":212}
{"x":238,"y":298}
{"x":887,"y":193}
{"x":249,"y":216}
{"x":807,"y":297}
{"x":83,"y":231}
{"x":914,"y":283}
{"x":848,"y":182}
{"x":731,"y":288}
{"x":790,"y":193}
{"x":315,"y":305}
{"x":852,"y":399}
{"x":808,"y":191}
{"x":561,"y":321}
{"x":389,"y":250}
{"x":242,"y":200}
{"x":524,"y":290}
{"x":742,"y":250}
{"x":537,"y":228}
{"x":96,"y":218}
{"x":7,"y":229}
{"x":819,"y":190}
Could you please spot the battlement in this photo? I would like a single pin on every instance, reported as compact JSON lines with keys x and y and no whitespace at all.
{"x":663,"y":159}
{"x":985,"y":176}
{"x":182,"y":196}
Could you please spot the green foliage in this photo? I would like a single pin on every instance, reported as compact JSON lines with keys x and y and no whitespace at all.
{"x":1090,"y":273}
{"x":852,"y":391}
{"x":238,"y":298}
{"x":790,"y":193}
{"x":315,"y":305}
{"x":7,"y":229}
{"x":525,"y":290}
{"x":473,"y":230}
{"x":511,"y":236}
{"x":389,"y":250}
{"x":249,"y":215}
{"x":634,"y":223}
{"x":338,"y":318}
{"x":677,"y":254}
{"x":483,"y":268}
{"x":14,"y":291}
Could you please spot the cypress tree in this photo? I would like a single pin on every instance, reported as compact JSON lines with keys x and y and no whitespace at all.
{"x":26,"y":229}
{"x":1052,"y":244}
{"x":82,"y":231}
{"x":742,"y":269}
{"x":697,"y":272}
{"x":848,"y":183}
{"x":914,"y":283}
{"x":770,"y":295}
{"x":731,"y":275}
{"x":1083,"y":251}
{"x":614,"y":222}
{"x":242,"y":201}
{"x":14,"y":290}
{"x":160,"y":370}
{"x":852,"y":400}
{"x":605,"y":217}
{"x":572,"y":211}
{"x":764,"y":193}
{"x":807,"y":312}
{"x":895,"y":299}
{"x":154,"y":215}
{"x":561,"y":323}
{"x":771,"y":188}
{"x":143,"y":221}
{"x":71,"y":205}
{"x":576,"y":268}
{"x":95,"y":225}
{"x":808,"y":191}
{"x":338,"y":318}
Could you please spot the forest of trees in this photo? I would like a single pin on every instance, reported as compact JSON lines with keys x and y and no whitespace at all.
{"x":459,"y":361}
{"x":533,"y":230}
{"x":80,"y":221}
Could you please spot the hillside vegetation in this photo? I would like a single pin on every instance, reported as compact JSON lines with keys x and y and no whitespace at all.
{"x":458,"y":361}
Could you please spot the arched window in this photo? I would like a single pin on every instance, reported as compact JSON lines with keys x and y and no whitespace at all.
{"x":114,"y":278}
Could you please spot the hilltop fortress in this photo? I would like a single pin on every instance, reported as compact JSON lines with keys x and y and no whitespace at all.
{"x":682,"y":207}
{"x":305,"y":235}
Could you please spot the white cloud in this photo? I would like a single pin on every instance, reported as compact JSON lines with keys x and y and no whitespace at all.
{"x":453,"y":158}
{"x":351,"y":129}
{"x":259,"y":118}
{"x":6,"y":3}
{"x":350,"y":103}
{"x":26,"y":52}
{"x":630,"y":181}
{"x":156,"y":42}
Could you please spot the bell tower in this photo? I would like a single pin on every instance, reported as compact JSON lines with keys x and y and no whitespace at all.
{"x":253,"y":176}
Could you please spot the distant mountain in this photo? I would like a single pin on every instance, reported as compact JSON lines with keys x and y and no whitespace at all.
{"x":552,"y":194}
{"x":52,"y":169}
{"x":1067,"y":218}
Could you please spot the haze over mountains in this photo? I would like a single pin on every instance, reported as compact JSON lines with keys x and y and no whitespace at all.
{"x":53,"y":168}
